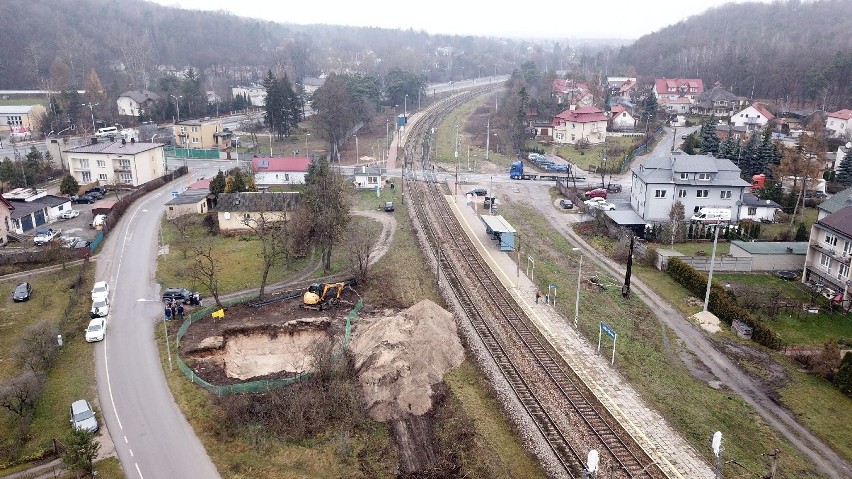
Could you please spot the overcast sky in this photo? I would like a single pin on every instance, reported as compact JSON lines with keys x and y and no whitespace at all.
{"x":576,"y":18}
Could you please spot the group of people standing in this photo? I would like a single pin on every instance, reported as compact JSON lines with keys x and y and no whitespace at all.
{"x":174,"y":310}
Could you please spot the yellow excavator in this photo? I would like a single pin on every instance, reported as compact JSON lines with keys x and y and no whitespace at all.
{"x":320,"y":296}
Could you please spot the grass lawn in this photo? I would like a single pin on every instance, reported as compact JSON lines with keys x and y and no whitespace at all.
{"x":73,"y":373}
{"x":16,"y":101}
{"x":444,"y":149}
{"x":774,"y":231}
{"x":649,"y":361}
{"x":591,"y":158}
{"x":690,"y":249}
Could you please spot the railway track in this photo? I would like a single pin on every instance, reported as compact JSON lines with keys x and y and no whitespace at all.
{"x":568,"y":416}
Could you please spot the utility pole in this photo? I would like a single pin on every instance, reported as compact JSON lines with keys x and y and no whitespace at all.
{"x":487,"y":138}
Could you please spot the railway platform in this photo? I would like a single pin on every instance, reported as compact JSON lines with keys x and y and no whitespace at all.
{"x":676,"y":457}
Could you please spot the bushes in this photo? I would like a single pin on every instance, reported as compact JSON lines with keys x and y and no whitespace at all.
{"x":721,"y":303}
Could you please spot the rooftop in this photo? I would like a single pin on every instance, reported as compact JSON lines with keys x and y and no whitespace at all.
{"x":773,"y":247}
{"x":750,"y":199}
{"x":25,"y":208}
{"x":292,"y":163}
{"x":115,"y":148}
{"x":188,"y":197}
{"x":837,"y":202}
{"x":257,"y":201}
{"x":840,"y":221}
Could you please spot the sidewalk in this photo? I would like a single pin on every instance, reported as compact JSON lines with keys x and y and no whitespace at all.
{"x":664,"y":445}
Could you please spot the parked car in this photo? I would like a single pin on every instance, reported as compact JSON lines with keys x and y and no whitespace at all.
{"x":603,"y":206}
{"x":181,"y":295}
{"x":45,"y":236}
{"x":100,"y":190}
{"x":100,"y":291}
{"x":68,"y":214}
{"x":84,"y":199}
{"x":82,"y":416}
{"x":96,"y":194}
{"x":96,"y":330}
{"x":597,"y":193}
{"x":566,"y":204}
{"x":22,"y":292}
{"x":478,"y":192}
{"x":613,"y":188}
{"x":389,"y":206}
{"x":100,"y":308}
{"x":594,"y":200}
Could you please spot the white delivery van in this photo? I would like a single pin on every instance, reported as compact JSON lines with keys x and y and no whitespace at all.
{"x":106,"y":132}
{"x":712,"y":215}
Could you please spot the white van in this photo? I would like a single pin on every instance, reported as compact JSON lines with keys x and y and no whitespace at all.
{"x":98,"y":222}
{"x":106,"y":132}
{"x":712,"y":215}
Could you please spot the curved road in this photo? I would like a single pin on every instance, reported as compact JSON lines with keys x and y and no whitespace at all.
{"x":151,"y":435}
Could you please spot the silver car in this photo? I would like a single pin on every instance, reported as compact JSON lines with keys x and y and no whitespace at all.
{"x":82,"y":416}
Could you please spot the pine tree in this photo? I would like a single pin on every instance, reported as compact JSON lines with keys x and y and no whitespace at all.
{"x":217,"y":184}
{"x":844,"y":174}
{"x":802,"y":233}
{"x":726,"y":146}
{"x":749,"y":157}
{"x":709,"y":139}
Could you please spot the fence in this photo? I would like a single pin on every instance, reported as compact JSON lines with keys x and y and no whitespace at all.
{"x":250,"y":386}
{"x":193,"y":153}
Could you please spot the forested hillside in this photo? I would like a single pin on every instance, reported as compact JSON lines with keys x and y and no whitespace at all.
{"x":794,"y":51}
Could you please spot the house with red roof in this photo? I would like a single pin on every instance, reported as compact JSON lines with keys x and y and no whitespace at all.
{"x":621,"y":119}
{"x":584,"y":123}
{"x":753,"y":117}
{"x":572,"y":93}
{"x":839,"y":123}
{"x":676,"y":95}
{"x":280,"y":171}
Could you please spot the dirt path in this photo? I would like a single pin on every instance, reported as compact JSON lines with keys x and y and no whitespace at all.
{"x":708,"y":360}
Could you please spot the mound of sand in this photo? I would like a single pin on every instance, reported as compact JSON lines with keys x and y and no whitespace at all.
{"x":400,"y":357}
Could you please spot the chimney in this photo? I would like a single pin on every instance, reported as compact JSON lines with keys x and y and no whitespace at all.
{"x":123,"y":142}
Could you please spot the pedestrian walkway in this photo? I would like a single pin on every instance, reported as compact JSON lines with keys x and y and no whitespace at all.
{"x":676,"y":457}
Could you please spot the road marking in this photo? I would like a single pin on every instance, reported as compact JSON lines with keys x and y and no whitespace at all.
{"x":125,"y":439}
{"x":131,"y":451}
{"x":137,"y":469}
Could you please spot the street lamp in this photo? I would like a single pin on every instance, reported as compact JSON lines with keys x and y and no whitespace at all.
{"x":405,"y":107}
{"x":712,"y":260}
{"x":177,"y":103}
{"x":306,"y":143}
{"x":92,"y":111}
{"x":579,"y":276}
{"x":387,"y":134}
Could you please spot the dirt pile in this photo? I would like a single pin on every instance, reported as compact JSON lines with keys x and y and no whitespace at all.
{"x":399,"y":358}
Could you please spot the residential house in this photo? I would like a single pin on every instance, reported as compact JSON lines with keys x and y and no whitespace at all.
{"x":280,"y":171}
{"x":191,"y":201}
{"x":6,"y":209}
{"x":33,"y":208}
{"x":676,"y":95}
{"x":696,"y":181}
{"x":19,"y":121}
{"x":756,"y":209}
{"x":136,"y":102}
{"x":838,"y":201}
{"x":738,"y":132}
{"x":718,"y":101}
{"x":621,"y":87}
{"x":584,"y":123}
{"x":312,"y":84}
{"x":365,"y":178}
{"x":753,"y":117}
{"x":621,"y":119}
{"x":827,"y":264}
{"x":242,"y":211}
{"x":572,"y":93}
{"x":108,"y":163}
{"x":202,"y":134}
{"x":256,"y":95}
{"x":839,"y":123}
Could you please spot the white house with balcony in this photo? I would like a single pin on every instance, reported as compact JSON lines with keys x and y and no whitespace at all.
{"x":753,"y":117}
{"x":577,"y":124}
{"x":839,"y":123}
{"x":697,"y":181}
{"x":136,"y":102}
{"x":827,"y":263}
{"x":116,"y":162}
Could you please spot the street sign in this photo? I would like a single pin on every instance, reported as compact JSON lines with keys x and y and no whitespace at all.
{"x":603,"y":328}
{"x":607,"y":330}
{"x":175,"y":194}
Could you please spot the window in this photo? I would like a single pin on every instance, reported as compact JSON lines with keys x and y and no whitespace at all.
{"x":194,"y":129}
{"x":573,"y":137}
{"x":559,"y":135}
{"x":84,"y":162}
{"x":831,"y":239}
{"x":703,"y":176}
{"x":843,"y":271}
{"x":752,"y":211}
{"x":825,"y":261}
{"x":372,"y":180}
{"x":14,"y":120}
{"x":183,"y":129}
{"x":102,"y":176}
{"x":660,"y":194}
{"x":86,"y":176}
{"x":124,"y":163}
{"x":726,"y":195}
{"x":681,"y":194}
{"x":684,"y":176}
{"x":702,"y":193}
{"x":247,"y":216}
{"x":126,"y":177}
{"x":847,"y":247}
{"x":101,"y":163}
{"x":195,"y":139}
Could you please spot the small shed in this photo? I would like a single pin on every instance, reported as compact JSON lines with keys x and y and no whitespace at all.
{"x":104,"y":206}
{"x":501,"y":231}
{"x":772,"y":255}
{"x":756,"y":209}
{"x":365,"y":178}
{"x":628,"y":219}
{"x":189,"y":202}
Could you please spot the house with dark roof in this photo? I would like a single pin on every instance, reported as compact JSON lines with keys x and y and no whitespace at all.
{"x":31,"y":208}
{"x":753,"y":117}
{"x":585,"y":123}
{"x":837,"y":202}
{"x":116,"y":162}
{"x":829,"y":257}
{"x":280,"y":171}
{"x":136,"y":102}
{"x":839,"y":123}
{"x":241,"y":211}
{"x":191,"y":201}
{"x":718,"y":101}
{"x":697,"y":181}
{"x":756,"y":209}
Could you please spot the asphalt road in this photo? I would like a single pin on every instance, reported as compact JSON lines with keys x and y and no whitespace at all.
{"x":151,"y":435}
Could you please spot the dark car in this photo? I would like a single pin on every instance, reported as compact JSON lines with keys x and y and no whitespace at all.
{"x":22,"y":292}
{"x":181,"y":295}
{"x":566,"y":204}
{"x":98,"y":189}
{"x":477,"y":192}
{"x":96,"y":194}
{"x":597,"y":193}
{"x":82,"y":199}
{"x":613,"y":188}
{"x":389,"y":206}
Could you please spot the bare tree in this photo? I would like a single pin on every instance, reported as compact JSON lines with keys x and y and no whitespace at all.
{"x":183,"y":224}
{"x":677,"y":222}
{"x":38,"y":347}
{"x":20,"y":395}
{"x":359,"y":245}
{"x":269,"y":224}
{"x":205,"y":270}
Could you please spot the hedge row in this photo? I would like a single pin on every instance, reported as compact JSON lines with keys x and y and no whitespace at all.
{"x":721,"y":302}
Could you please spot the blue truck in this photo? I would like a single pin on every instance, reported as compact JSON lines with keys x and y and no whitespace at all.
{"x":516,"y":172}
